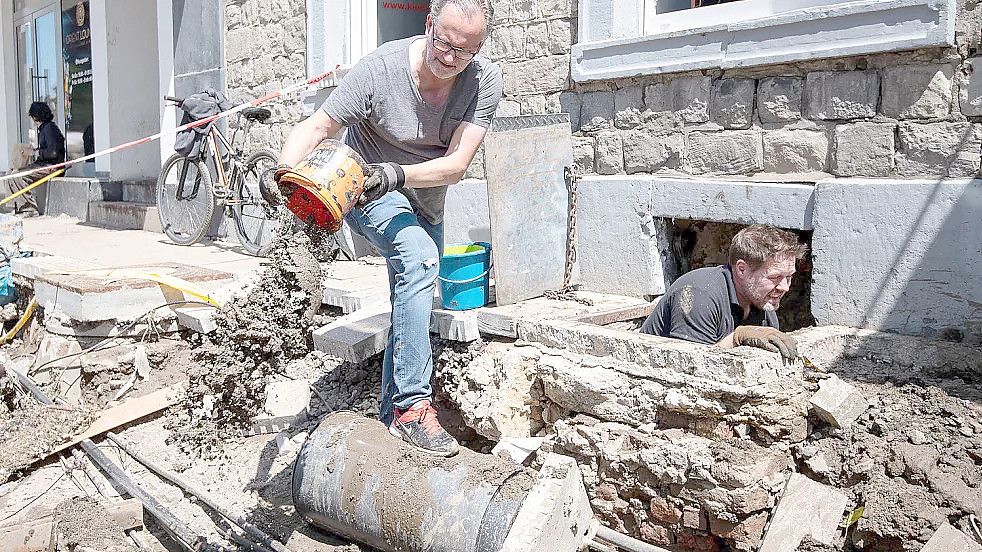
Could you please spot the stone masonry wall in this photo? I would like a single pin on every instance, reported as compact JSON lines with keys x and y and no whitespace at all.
{"x":265,"y":49}
{"x":912,"y":114}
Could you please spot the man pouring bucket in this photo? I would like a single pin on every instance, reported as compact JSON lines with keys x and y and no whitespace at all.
{"x":416,"y":110}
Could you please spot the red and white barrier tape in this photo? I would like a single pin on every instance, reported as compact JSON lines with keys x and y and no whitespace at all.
{"x":193,"y":124}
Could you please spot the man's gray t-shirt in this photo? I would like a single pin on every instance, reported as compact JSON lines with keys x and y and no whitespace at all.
{"x":388,"y":121}
{"x":702,"y":306}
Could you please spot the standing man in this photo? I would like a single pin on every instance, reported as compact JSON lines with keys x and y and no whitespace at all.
{"x":51,"y":151}
{"x":734,"y":304}
{"x":417,"y":110}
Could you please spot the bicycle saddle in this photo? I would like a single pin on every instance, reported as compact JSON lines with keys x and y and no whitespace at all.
{"x":256,"y":114}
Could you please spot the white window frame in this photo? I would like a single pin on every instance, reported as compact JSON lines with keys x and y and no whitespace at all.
{"x":339,"y":33}
{"x":627,"y":38}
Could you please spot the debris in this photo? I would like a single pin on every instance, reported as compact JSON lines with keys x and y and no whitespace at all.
{"x":35,"y":537}
{"x":807,"y":508}
{"x":198,"y":319}
{"x":838,"y":403}
{"x":287,"y":403}
{"x":517,"y":448}
{"x":949,"y":539}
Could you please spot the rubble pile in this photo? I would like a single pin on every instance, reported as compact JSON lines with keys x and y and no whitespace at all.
{"x":256,"y":336}
{"x":687,"y":446}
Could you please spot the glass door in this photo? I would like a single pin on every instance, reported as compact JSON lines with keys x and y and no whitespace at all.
{"x":38,"y":67}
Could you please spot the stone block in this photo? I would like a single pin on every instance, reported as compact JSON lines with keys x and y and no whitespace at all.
{"x":356,"y":336}
{"x":863,"y":149}
{"x":556,"y":514}
{"x":507,"y":42}
{"x":648,"y":152}
{"x":687,"y":96}
{"x":610,"y":153}
{"x":455,"y":325}
{"x":533,"y":105}
{"x":523,"y":10}
{"x":554,"y":8}
{"x":537,"y":40}
{"x":807,"y":508}
{"x":842,"y":95}
{"x":664,"y":511}
{"x":939,"y":149}
{"x":508,"y":108}
{"x":197,"y":319}
{"x":694,"y":518}
{"x":917,"y":91}
{"x":779,"y":99}
{"x":838,"y":403}
{"x":745,"y":534}
{"x":727,"y":152}
{"x":970,"y":89}
{"x":733,"y":102}
{"x":949,"y":539}
{"x":918,"y":274}
{"x":795,"y":151}
{"x":620,"y":244}
{"x":537,"y":76}
{"x":597,"y":108}
{"x":627,"y":107}
{"x":560,"y":36}
{"x":570,"y":103}
{"x":583,"y":154}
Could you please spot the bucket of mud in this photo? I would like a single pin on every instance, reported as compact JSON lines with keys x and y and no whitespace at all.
{"x":464,"y":278}
{"x":325,"y":185}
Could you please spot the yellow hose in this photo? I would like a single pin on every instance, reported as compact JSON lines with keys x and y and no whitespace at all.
{"x":31,"y":187}
{"x":28,"y":312}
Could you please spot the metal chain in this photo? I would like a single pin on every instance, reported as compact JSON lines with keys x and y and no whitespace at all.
{"x":566,"y":293}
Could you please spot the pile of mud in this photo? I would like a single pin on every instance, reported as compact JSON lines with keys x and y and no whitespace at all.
{"x":31,"y":431}
{"x":84,"y":524}
{"x":256,"y":337}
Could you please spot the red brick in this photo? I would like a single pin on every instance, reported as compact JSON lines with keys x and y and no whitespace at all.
{"x":697,"y":540}
{"x":745,"y":534}
{"x":655,"y":534}
{"x":664,"y":511}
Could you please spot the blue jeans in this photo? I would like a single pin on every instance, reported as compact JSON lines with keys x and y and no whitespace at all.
{"x":412,"y":248}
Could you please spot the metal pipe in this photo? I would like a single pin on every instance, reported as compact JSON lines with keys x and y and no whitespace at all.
{"x":255,"y":532}
{"x":621,"y":540}
{"x":178,"y":529}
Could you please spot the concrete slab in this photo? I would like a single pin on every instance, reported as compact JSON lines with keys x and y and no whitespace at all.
{"x":198,"y":319}
{"x":71,"y":196}
{"x":29,"y":268}
{"x":910,"y":265}
{"x":948,"y":539}
{"x":556,"y":514}
{"x":124,"y":216}
{"x":503,"y":320}
{"x":353,"y":284}
{"x":838,"y":402}
{"x":806,"y":508}
{"x":116,"y":294}
{"x":455,"y":325}
{"x":356,"y":336}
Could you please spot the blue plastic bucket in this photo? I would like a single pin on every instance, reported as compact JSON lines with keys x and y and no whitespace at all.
{"x":464,"y":279}
{"x":8,"y":293}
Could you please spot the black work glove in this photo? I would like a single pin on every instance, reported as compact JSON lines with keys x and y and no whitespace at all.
{"x":383,"y":178}
{"x":768,"y":339}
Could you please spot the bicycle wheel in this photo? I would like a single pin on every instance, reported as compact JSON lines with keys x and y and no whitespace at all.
{"x":185,"y":199}
{"x":257,"y":222}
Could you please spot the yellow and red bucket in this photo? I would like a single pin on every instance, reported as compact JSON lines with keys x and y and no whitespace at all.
{"x":325,"y":185}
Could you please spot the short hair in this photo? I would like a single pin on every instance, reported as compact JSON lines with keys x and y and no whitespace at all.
{"x":757,"y":243}
{"x":41,"y":112}
{"x":469,"y":8}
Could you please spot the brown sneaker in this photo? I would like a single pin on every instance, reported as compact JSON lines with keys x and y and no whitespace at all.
{"x":419,"y":427}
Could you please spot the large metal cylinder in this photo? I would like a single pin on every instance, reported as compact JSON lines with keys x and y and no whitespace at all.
{"x":354,"y":479}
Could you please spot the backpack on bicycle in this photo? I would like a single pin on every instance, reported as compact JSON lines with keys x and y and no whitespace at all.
{"x":196,"y":107}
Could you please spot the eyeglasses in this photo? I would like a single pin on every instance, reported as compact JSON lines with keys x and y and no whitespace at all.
{"x":459,"y":53}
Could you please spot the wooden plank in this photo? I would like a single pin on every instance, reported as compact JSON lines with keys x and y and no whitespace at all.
{"x":37,"y":537}
{"x":619,"y":314}
{"x":126,"y":412}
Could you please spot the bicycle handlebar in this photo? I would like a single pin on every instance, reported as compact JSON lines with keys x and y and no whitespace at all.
{"x":178,"y":101}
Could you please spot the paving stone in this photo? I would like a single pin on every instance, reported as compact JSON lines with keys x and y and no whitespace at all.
{"x":949,"y":539}
{"x":807,"y":508}
{"x":779,"y":99}
{"x":727,"y":152}
{"x":356,"y":336}
{"x":733,"y":102}
{"x":838,"y":402}
{"x":30,"y":268}
{"x":838,"y":95}
{"x":863,"y":149}
{"x":917,"y":91}
{"x":939,"y":149}
{"x":795,"y":151}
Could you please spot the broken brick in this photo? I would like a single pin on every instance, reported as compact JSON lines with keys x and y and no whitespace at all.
{"x":838,"y":402}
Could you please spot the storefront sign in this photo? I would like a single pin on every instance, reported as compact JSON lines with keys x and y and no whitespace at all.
{"x":77,"y":48}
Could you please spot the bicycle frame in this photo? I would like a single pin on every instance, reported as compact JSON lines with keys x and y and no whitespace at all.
{"x":225,"y":172}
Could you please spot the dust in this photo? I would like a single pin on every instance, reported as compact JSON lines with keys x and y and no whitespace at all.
{"x":84,"y":523}
{"x":32,"y":430}
{"x":256,"y":337}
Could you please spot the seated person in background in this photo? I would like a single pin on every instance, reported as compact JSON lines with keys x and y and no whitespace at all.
{"x":51,"y":151}
{"x":734,"y":304}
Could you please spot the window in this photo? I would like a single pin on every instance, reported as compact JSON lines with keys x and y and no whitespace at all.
{"x":627,"y":38}
{"x":341,"y":32}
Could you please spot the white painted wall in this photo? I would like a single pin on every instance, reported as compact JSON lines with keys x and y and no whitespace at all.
{"x":8,"y":84}
{"x":133,"y":76}
{"x":100,"y":84}
{"x":167,"y":116}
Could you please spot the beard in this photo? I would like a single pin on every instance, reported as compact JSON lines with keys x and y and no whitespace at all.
{"x":438,"y":69}
{"x":762,"y":299}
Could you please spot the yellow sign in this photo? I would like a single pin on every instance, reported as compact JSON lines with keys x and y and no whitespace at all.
{"x":80,"y":14}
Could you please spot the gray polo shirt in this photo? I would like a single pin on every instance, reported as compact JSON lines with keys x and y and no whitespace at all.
{"x":702,"y":306}
{"x":388,"y":121}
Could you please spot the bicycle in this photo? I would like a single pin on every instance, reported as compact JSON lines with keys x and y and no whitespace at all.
{"x":187,"y":194}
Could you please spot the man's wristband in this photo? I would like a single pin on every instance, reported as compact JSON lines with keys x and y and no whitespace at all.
{"x":394,"y":175}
